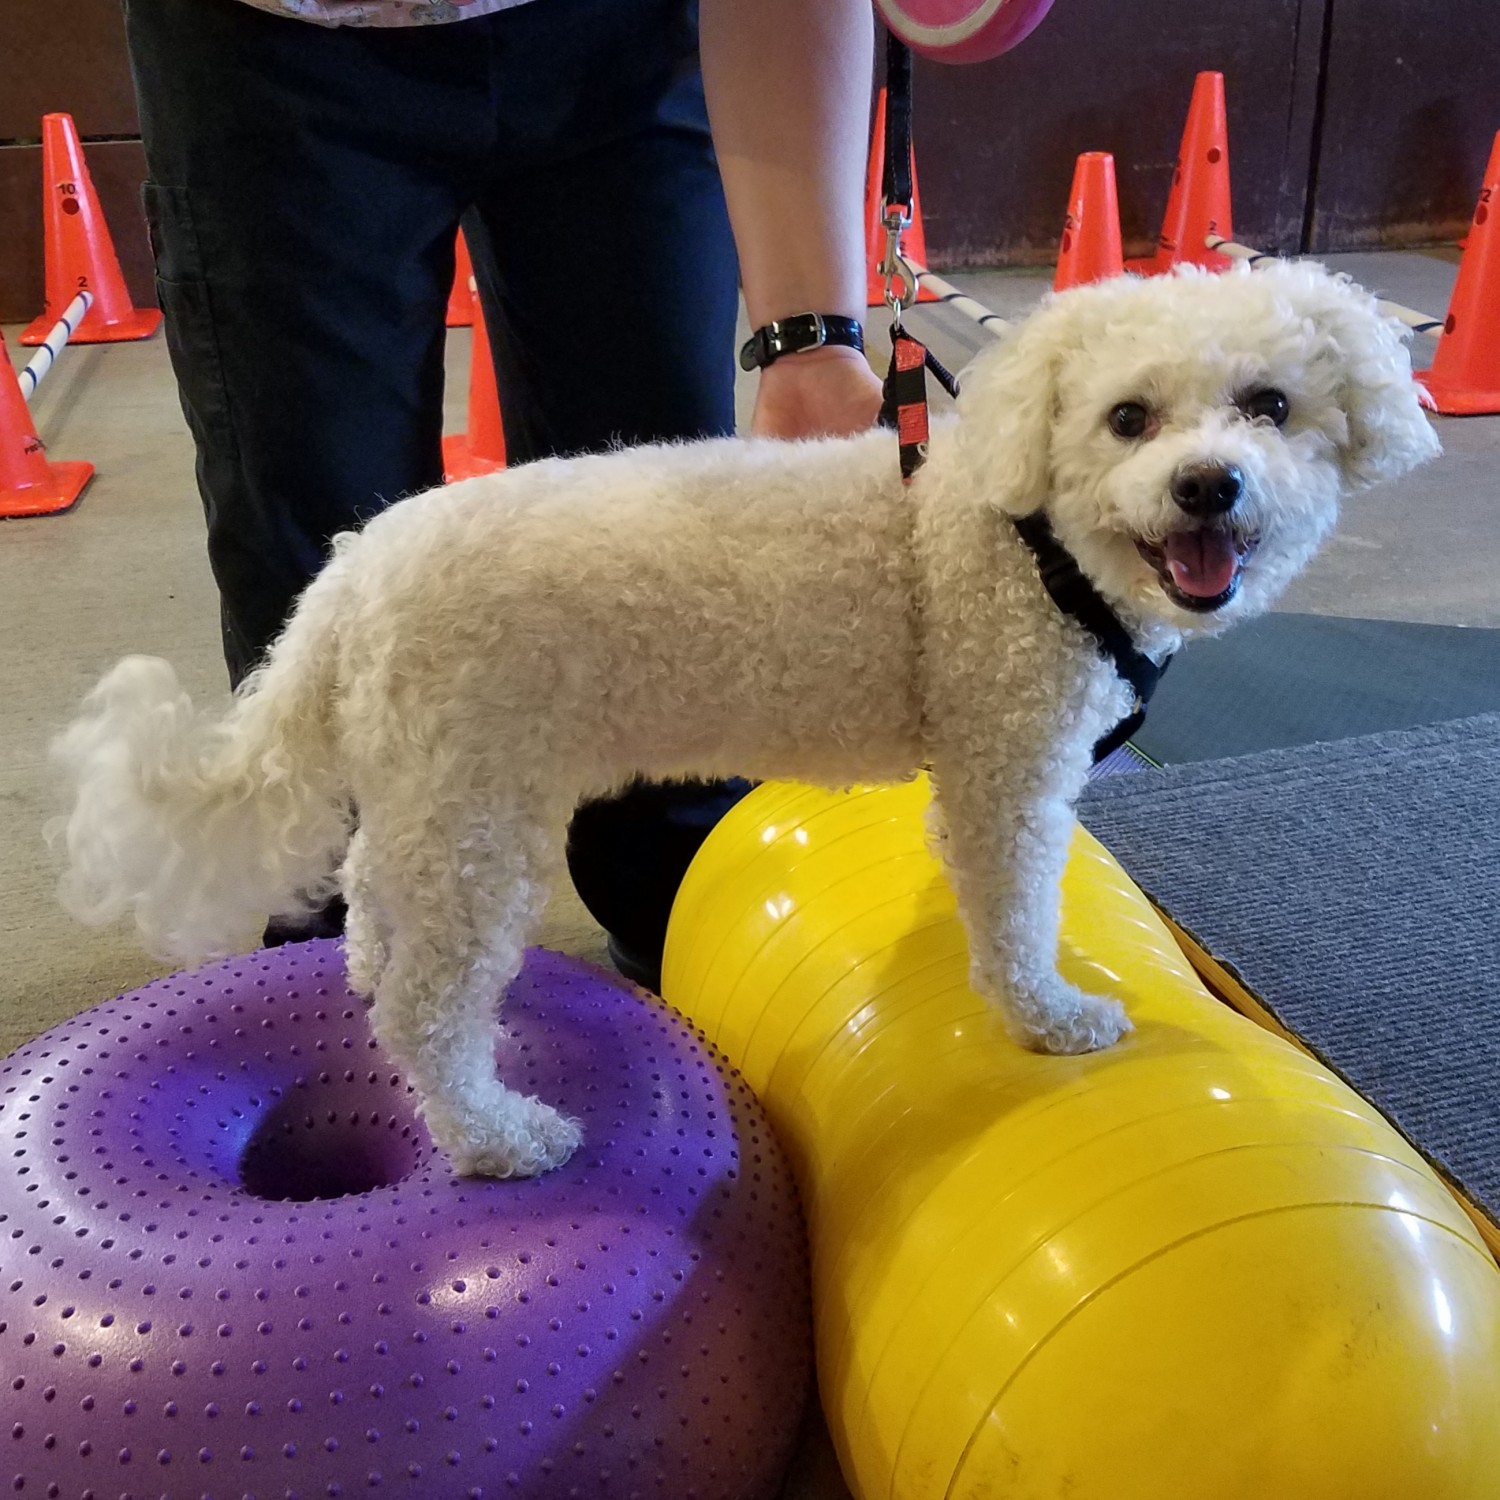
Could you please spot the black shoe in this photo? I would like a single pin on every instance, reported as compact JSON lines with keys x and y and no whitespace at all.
{"x":326,"y":922}
{"x":637,"y":970}
{"x":627,"y":856}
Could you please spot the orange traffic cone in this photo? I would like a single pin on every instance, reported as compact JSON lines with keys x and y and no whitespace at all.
{"x":29,"y":484}
{"x":913,"y":237}
{"x":1090,"y":249}
{"x":1465,"y":376}
{"x":78,"y":252}
{"x":1198,"y":204}
{"x":460,"y":305}
{"x":481,"y":449}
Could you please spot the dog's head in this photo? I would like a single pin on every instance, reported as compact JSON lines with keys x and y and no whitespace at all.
{"x":1190,"y":436}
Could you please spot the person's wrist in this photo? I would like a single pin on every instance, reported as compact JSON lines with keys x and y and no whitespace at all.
{"x":822,"y":392}
{"x":827,"y":354}
{"x":831,"y":363}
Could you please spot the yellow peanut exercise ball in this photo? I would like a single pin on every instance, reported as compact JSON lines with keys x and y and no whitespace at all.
{"x":1194,"y":1266}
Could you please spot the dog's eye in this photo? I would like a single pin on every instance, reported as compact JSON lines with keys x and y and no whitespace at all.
{"x":1269,"y":403}
{"x":1129,"y":420}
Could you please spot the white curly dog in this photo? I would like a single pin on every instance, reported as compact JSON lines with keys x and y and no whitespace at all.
{"x":477,"y":659}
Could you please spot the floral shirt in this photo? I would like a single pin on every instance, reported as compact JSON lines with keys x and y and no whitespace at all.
{"x":382,"y":12}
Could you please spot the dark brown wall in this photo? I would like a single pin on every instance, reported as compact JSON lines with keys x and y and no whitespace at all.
{"x":1351,"y":122}
{"x":995,"y":142}
{"x":79,"y":67}
{"x":1412,"y":104}
{"x":64,"y":56}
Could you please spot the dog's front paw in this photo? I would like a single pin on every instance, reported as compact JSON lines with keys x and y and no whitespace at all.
{"x":1062,"y":1018}
{"x":525,"y":1139}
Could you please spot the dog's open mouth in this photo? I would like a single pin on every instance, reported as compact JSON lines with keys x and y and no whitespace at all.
{"x":1200,"y":569}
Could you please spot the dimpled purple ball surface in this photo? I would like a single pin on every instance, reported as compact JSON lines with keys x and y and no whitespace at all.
{"x":232,"y":1263}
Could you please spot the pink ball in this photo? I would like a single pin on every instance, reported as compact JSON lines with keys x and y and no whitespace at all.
{"x":962,"y":31}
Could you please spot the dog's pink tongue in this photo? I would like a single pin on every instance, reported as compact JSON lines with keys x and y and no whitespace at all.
{"x":1202,"y":563}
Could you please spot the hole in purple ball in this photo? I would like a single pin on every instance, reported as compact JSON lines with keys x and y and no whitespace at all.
{"x":301,"y":1155}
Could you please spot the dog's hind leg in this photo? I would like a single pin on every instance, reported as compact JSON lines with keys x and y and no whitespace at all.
{"x":461,"y":906}
{"x":365,"y":938}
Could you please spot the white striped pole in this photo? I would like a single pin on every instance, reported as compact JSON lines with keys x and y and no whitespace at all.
{"x":993,"y":323}
{"x":53,"y":345}
{"x":962,"y":302}
{"x":1419,"y":321}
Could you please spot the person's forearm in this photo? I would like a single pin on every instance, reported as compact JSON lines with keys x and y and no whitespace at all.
{"x":788,"y":85}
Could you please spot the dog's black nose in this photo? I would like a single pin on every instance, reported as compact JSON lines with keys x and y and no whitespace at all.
{"x":1207,"y":489}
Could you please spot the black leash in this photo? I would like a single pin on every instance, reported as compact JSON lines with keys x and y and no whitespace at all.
{"x":897,"y":179}
{"x":904,"y":409}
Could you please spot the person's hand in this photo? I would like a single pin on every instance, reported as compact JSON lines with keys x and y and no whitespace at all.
{"x":827,"y":392}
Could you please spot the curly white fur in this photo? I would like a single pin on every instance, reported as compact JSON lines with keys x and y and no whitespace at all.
{"x":479,"y":658}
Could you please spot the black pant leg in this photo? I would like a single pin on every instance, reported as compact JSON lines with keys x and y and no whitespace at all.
{"x":602,"y":250}
{"x":304,"y":188}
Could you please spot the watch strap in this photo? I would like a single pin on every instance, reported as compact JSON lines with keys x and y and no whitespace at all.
{"x":796,"y":335}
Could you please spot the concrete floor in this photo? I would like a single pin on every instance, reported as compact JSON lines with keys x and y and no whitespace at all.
{"x":125,"y":572}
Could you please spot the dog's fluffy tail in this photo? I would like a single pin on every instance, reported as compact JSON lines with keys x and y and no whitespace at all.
{"x":206,"y":824}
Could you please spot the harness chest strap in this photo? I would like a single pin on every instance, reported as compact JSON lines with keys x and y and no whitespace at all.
{"x":1076,"y":597}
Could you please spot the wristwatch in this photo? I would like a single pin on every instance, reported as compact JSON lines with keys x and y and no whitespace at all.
{"x":798,"y":334}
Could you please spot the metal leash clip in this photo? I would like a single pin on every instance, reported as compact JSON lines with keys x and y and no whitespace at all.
{"x":894,"y":267}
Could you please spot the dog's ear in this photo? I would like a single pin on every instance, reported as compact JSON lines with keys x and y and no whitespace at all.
{"x":1006,"y":408}
{"x":1387,"y":433}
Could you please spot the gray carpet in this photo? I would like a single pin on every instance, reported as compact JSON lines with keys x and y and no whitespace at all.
{"x":1352,"y":888}
{"x":1293,"y":679}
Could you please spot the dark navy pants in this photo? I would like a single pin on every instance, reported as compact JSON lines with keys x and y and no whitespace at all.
{"x":305,"y":186}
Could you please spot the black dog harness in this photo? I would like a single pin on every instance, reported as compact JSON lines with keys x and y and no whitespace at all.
{"x":905,"y":410}
{"x":1076,"y":597}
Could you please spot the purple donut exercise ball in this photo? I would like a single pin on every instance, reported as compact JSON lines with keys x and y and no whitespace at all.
{"x":232,"y":1263}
